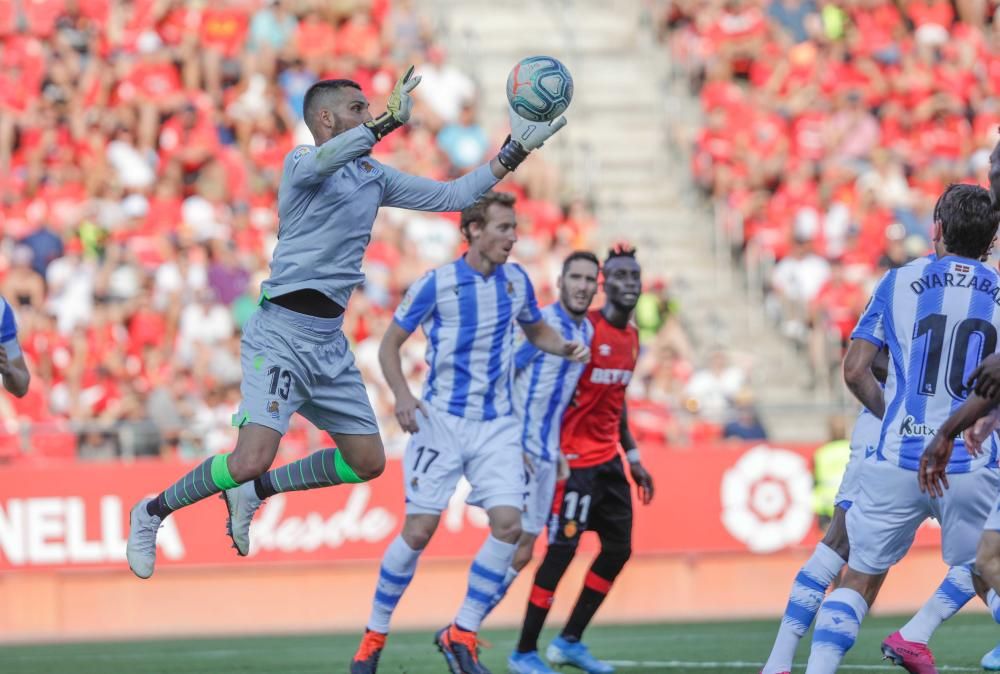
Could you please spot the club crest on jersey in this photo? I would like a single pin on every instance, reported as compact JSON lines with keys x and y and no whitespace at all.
{"x":569,"y":531}
{"x":604,"y":349}
{"x":366,"y":166}
{"x":272,"y":409}
{"x":415,"y":483}
{"x":300,"y":153}
{"x":510,"y":288}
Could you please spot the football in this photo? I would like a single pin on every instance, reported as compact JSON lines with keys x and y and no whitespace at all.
{"x":539,"y":88}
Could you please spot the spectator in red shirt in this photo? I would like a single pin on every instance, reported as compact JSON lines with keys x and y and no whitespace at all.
{"x":188,"y":138}
{"x":945,"y":133}
{"x":833,"y":313}
{"x":223,"y":30}
{"x":930,"y":12}
{"x":359,"y":36}
{"x":153,"y":86}
{"x":315,"y":39}
{"x":738,"y":32}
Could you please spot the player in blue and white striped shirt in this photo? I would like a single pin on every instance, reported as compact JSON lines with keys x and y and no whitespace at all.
{"x":543,"y":387}
{"x":939,"y":318}
{"x":464,"y":423}
{"x":13,"y":370}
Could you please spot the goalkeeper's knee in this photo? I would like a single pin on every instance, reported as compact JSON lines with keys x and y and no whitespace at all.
{"x":361,"y":469}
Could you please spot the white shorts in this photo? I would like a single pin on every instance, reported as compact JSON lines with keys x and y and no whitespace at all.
{"x":487,"y":453}
{"x":538,"y":496}
{"x":993,"y":521}
{"x":864,"y":441}
{"x":890,"y":507}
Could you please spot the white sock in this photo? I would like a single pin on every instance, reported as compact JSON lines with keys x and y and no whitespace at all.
{"x":485,"y":578}
{"x":398,"y":564}
{"x":954,"y":592}
{"x":807,"y":594}
{"x":837,"y":626}
{"x":993,"y":601}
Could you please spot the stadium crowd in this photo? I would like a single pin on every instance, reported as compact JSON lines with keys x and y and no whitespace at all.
{"x":141,"y":146}
{"x":830,"y":129}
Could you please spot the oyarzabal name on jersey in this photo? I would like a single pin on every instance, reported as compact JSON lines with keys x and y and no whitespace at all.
{"x":957,"y":280}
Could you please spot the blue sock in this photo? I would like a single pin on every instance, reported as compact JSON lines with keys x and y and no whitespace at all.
{"x":837,"y":626}
{"x":501,"y":592}
{"x":398,"y":565}
{"x":807,"y":594}
{"x":485,"y":579}
{"x":954,"y":592}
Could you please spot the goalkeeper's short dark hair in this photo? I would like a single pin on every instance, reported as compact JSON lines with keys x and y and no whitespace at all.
{"x":477,"y":211}
{"x":580,"y":255}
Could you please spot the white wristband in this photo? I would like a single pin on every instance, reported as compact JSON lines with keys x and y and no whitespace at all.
{"x":632,"y":455}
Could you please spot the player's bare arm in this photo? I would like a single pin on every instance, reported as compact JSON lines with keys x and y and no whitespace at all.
{"x":859,"y":377}
{"x":934,"y":462}
{"x":543,"y":336}
{"x":985,"y":382}
{"x":643,"y":480}
{"x":985,"y":379}
{"x":15,"y":375}
{"x":407,"y":404}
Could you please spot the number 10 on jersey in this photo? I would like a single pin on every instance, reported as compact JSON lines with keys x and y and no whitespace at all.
{"x":967,"y":334}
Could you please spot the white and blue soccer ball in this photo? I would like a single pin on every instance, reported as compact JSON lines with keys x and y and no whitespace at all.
{"x":539,"y":88}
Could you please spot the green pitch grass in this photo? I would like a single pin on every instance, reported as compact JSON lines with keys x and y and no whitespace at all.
{"x":702,"y":648}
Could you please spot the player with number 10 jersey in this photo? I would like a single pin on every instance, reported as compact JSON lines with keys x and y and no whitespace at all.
{"x":938,"y":318}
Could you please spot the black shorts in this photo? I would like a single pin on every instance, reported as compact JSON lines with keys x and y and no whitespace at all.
{"x":598,"y":498}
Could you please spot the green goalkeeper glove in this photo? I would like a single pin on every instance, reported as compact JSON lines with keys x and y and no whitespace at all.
{"x":525,"y":136}
{"x":398,"y":107}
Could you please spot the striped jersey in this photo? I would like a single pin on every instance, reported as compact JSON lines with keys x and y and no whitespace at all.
{"x":326,"y":209}
{"x":939,"y":319}
{"x":8,"y":330}
{"x":544,"y":384}
{"x":469,"y":322}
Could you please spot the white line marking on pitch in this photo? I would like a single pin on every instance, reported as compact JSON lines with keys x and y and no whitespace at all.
{"x":681,"y":664}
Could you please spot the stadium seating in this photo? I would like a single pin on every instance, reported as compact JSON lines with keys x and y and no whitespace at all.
{"x":141,"y":147}
{"x":829,"y":131}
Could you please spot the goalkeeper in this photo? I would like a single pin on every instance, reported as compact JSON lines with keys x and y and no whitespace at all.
{"x":294,"y":356}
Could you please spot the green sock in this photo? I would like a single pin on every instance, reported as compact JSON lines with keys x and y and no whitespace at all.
{"x":323,"y":468}
{"x":210,"y":477}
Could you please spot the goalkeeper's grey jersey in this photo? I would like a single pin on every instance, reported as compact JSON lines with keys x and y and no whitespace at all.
{"x":327,"y":202}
